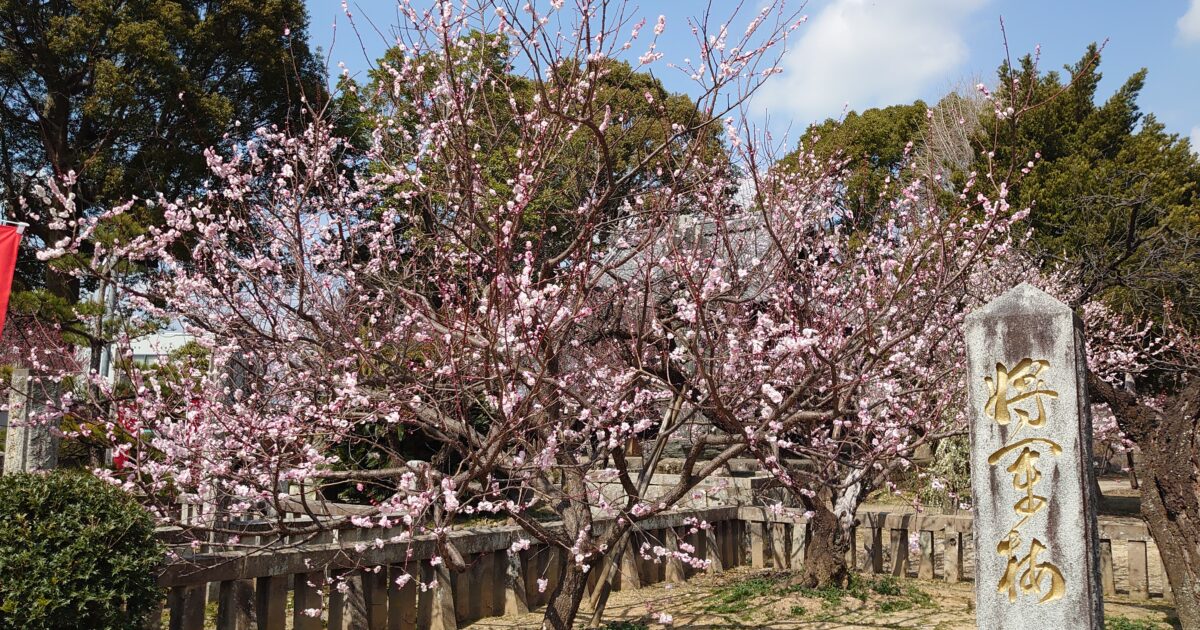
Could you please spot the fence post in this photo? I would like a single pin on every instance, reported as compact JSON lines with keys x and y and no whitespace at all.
{"x":779,"y":539}
{"x":402,"y":600}
{"x":630,"y":576}
{"x":375,"y":598}
{"x":876,"y":551}
{"x":674,"y":564}
{"x":515,"y":599}
{"x":852,"y":560}
{"x":461,"y":586}
{"x":187,"y":607}
{"x":714,"y":547}
{"x":271,"y":593}
{"x":482,"y":588}
{"x":1139,"y":578}
{"x":799,"y":539}
{"x":307,"y":597}
{"x":758,"y":542}
{"x":899,"y":552}
{"x":443,"y":601}
{"x":925,"y":569}
{"x":1108,"y":575}
{"x":952,"y":559}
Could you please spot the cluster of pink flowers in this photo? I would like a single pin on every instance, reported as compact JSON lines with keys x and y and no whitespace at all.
{"x":421,"y":300}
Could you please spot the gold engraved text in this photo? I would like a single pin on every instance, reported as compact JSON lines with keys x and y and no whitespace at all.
{"x":1010,"y":391}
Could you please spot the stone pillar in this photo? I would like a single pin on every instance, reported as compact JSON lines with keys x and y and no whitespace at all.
{"x":952,"y":558}
{"x":515,"y":598}
{"x":30,"y":448}
{"x":799,"y":539}
{"x":758,"y":545}
{"x":674,"y":564}
{"x":1036,"y":542}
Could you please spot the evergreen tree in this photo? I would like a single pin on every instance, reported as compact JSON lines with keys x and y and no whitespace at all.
{"x":871,"y":148}
{"x":127,"y":95}
{"x":1114,"y":196}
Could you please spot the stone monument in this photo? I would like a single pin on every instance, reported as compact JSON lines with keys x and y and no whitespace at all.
{"x":30,"y":445}
{"x":1036,"y":543}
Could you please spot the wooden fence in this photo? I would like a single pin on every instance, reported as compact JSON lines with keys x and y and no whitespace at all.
{"x":252,"y":590}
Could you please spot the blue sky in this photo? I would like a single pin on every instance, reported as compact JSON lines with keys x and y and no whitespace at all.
{"x":870,"y":53}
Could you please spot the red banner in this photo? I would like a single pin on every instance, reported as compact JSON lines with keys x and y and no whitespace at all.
{"x":9,"y":239}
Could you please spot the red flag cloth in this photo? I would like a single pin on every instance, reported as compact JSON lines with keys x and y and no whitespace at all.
{"x":9,"y":239}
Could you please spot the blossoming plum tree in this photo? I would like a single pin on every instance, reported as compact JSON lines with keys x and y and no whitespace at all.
{"x":437,"y":283}
{"x":340,"y":293}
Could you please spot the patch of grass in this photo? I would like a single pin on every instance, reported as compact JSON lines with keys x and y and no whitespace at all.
{"x":1124,"y":623}
{"x":899,"y":596}
{"x":894,"y":605}
{"x":798,"y":611}
{"x":920,"y":598}
{"x":625,"y":625}
{"x":887,"y":585}
{"x":736,"y":598}
{"x":832,"y":596}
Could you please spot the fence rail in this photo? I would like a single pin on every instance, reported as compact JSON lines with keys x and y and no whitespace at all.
{"x":252,"y":590}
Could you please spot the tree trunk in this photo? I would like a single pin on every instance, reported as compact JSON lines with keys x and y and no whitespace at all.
{"x":567,"y":596}
{"x":1169,"y":472}
{"x":577,"y":524}
{"x":825,"y":556}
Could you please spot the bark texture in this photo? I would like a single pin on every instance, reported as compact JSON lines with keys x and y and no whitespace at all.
{"x":825,"y":555}
{"x":1169,"y":471}
{"x":567,"y":596}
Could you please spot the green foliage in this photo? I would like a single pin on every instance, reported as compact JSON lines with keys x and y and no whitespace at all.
{"x":832,"y":596}
{"x":1124,"y":623}
{"x":128,"y":94}
{"x":1114,"y":197}
{"x":75,"y":552}
{"x":890,"y":594}
{"x":739,"y":597}
{"x":640,"y":145}
{"x":873,"y":146}
{"x":887,"y":585}
{"x":898,"y":596}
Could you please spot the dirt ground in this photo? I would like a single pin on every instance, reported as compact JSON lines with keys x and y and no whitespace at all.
{"x":757,"y":598}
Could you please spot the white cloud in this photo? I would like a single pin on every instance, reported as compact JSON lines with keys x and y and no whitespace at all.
{"x":1196,"y":139}
{"x":1189,"y":24}
{"x":866,"y":53}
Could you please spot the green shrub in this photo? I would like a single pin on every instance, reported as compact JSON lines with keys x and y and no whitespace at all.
{"x":75,"y":552}
{"x":887,"y":585}
{"x":1124,"y":623}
